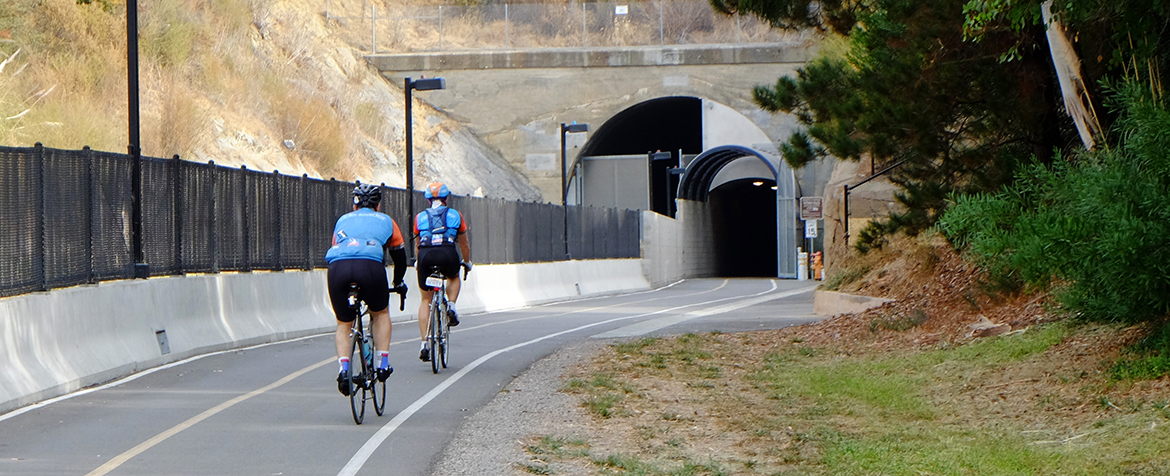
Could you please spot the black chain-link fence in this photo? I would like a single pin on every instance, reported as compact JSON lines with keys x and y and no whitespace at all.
{"x":66,"y":219}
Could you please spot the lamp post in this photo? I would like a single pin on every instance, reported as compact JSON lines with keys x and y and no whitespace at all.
{"x":567,"y":128}
{"x":141,"y":271}
{"x":422,"y":84}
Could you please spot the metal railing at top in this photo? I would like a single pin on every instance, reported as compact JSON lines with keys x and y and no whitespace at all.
{"x":65,"y":220}
{"x":405,"y":29}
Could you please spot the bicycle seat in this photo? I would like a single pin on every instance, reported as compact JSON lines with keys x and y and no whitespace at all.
{"x":353,"y":294}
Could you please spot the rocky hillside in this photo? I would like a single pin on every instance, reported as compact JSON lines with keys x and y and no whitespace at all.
{"x":264,"y":83}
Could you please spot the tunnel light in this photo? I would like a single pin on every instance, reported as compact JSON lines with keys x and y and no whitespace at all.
{"x":757,"y":183}
{"x":775,"y":187}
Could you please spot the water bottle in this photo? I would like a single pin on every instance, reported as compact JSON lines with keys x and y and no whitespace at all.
{"x":367,"y":352}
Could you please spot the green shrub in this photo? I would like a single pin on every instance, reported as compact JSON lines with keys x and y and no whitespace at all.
{"x":1094,"y":228}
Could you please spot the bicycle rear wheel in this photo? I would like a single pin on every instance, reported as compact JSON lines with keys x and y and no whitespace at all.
{"x":357,"y":403}
{"x":433,"y":333}
{"x":444,"y":335}
{"x":377,"y":387}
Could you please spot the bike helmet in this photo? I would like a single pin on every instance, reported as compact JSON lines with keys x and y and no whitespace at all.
{"x":366,"y":195}
{"x":437,"y":190}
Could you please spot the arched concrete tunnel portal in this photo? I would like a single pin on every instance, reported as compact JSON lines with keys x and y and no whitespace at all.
{"x":752,"y":202}
{"x":750,"y":195}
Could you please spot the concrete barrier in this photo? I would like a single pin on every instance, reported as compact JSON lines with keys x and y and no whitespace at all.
{"x":67,"y":339}
{"x":831,"y":303}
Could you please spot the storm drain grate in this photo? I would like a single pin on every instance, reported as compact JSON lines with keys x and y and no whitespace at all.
{"x":163,"y":345}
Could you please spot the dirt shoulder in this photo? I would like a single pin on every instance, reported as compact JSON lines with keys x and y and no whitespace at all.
{"x":908,"y":388}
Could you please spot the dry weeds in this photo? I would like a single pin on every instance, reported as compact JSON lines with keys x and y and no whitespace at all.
{"x":697,"y":400}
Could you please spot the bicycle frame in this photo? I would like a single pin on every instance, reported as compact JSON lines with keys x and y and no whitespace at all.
{"x":362,"y":371}
{"x":438,"y":332}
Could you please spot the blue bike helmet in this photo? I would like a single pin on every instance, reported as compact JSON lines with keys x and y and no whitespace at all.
{"x":437,"y":190}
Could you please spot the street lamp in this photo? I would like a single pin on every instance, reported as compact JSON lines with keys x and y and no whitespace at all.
{"x":141,"y":270}
{"x":422,"y":84}
{"x":566,"y":128}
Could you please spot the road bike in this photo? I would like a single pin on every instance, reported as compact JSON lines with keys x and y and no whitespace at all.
{"x":363,"y":363}
{"x":439,"y":332}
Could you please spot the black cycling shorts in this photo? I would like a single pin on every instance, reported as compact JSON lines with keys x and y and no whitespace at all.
{"x":446,"y":258}
{"x":368,"y":274}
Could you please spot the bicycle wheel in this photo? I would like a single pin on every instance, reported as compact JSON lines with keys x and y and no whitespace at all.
{"x":357,"y":403}
{"x":377,"y":387}
{"x":433,"y":333}
{"x":444,"y":335}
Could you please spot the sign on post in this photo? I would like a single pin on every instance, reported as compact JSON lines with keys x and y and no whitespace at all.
{"x":811,"y":209}
{"x":810,"y":228}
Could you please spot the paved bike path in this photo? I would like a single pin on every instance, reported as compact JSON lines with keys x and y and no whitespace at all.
{"x":275,"y":409}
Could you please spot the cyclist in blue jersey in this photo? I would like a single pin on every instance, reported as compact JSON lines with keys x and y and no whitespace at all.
{"x":362,"y":241}
{"x":439,"y":229}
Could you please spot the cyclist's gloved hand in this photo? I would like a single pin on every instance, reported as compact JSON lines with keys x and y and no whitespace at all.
{"x":466,"y":265}
{"x":400,"y":288}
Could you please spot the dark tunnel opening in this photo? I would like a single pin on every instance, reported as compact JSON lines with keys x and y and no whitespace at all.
{"x":744,"y":218}
{"x":669,"y":124}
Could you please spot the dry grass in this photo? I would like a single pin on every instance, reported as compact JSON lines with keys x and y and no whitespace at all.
{"x":846,"y":396}
{"x":198,"y":58}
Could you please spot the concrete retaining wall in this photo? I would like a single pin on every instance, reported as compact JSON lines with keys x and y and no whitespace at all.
{"x":677,"y":248}
{"x":57,"y":342}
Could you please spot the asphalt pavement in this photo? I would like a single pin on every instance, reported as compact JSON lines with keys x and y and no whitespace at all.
{"x":275,"y":410}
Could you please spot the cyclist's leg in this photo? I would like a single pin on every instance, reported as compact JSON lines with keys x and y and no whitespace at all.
{"x":341,"y":338}
{"x":381,"y":321}
{"x":339,"y":276}
{"x":375,"y":291}
{"x":424,"y":308}
{"x":453,"y":290}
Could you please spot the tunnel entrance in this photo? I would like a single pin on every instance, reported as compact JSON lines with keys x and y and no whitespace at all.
{"x":744,"y":217}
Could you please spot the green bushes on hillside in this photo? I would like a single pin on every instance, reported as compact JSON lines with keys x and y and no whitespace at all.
{"x":1094,"y":228}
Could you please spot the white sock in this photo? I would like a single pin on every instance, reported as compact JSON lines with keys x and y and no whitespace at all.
{"x":423,"y":346}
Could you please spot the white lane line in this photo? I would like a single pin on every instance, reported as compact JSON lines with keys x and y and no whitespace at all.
{"x":652,"y":325}
{"x":359,"y":459}
{"x":136,"y":376}
{"x":591,"y":309}
{"x":159,"y":438}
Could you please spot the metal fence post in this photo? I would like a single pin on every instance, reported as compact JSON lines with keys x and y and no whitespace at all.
{"x":584,"y":38}
{"x":89,"y":214}
{"x":214,"y":245}
{"x":42,"y":278}
{"x":308,"y":249}
{"x":506,"y":25}
{"x":440,"y":28}
{"x":278,"y":226}
{"x":245,"y":237}
{"x":373,"y":29}
{"x":178,"y":176}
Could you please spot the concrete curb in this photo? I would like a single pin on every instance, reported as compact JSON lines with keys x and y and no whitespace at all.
{"x":61,"y":341}
{"x":831,"y":303}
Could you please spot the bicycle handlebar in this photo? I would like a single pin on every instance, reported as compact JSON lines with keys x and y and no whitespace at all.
{"x":401,"y":290}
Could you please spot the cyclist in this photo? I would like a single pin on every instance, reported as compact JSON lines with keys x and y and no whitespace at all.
{"x":362,"y":240}
{"x":439,"y":229}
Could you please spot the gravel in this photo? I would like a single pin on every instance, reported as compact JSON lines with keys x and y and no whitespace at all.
{"x":492,"y":441}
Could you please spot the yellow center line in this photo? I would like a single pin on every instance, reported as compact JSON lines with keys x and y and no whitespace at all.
{"x":159,"y":438}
